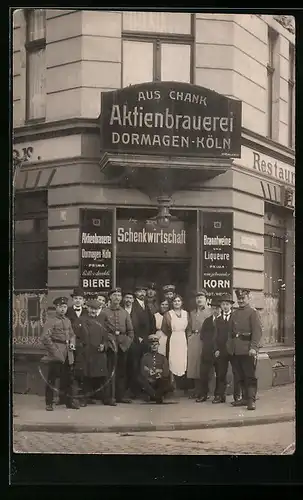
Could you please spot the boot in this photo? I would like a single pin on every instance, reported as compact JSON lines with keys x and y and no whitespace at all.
{"x":110,"y":402}
{"x":201,"y":399}
{"x":49,"y":407}
{"x":219,"y":399}
{"x":239,"y":402}
{"x":251,"y":405}
{"x":73,"y":405}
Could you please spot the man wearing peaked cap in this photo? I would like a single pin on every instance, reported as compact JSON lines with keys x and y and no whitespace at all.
{"x":59,"y":340}
{"x":118,"y":324}
{"x":243,"y":344}
{"x":154,"y":376}
{"x":196,"y":320}
{"x":169,"y":292}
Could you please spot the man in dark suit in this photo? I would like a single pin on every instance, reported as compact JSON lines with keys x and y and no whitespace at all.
{"x":74,"y":312}
{"x":151,"y":298}
{"x":208,"y":334}
{"x":144,"y":325}
{"x":222,"y":357}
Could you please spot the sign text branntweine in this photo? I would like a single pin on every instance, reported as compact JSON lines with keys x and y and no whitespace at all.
{"x":173,"y":118}
{"x":217,"y":252}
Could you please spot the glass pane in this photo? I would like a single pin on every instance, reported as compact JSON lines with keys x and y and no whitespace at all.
{"x":30,"y":265}
{"x":36,"y":24}
{"x":157,"y":22}
{"x":36,"y":84}
{"x":137,"y":62}
{"x":175,"y":62}
{"x":24,"y":227}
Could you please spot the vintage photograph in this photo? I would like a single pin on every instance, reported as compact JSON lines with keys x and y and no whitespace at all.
{"x":153,"y":265}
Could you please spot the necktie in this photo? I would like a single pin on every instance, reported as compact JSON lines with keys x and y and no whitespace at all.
{"x":225,"y":317}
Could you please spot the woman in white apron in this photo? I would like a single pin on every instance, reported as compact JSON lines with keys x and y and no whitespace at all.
{"x":159,"y":319}
{"x":175,"y":323}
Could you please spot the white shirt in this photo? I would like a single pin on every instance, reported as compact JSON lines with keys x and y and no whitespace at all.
{"x":226,"y":316}
{"x":78,"y":311}
{"x":141,"y":302}
{"x":128,"y":309}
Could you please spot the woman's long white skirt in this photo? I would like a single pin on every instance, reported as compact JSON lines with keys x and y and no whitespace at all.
{"x":178,"y":353}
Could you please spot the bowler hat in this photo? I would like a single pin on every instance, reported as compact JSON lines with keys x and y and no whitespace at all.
{"x":114,"y":290}
{"x":59,"y":301}
{"x":215,"y":302}
{"x":78,"y":292}
{"x":141,"y":287}
{"x":93,"y":304}
{"x":241,"y":292}
{"x":226,"y":298}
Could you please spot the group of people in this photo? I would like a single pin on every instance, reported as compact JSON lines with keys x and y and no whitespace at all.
{"x":119,"y":347}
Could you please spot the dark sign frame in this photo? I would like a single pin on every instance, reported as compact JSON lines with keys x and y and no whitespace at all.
{"x":217,"y":225}
{"x":170,"y":118}
{"x":96,"y":229}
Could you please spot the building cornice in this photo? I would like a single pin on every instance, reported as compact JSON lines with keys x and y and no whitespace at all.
{"x":61,"y":128}
{"x":287,"y":22}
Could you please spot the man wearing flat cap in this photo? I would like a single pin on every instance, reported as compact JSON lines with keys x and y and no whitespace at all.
{"x":194,"y":348}
{"x":92,"y":345}
{"x":59,"y":340}
{"x":221,"y":354}
{"x":117,"y":322}
{"x":151,"y":298}
{"x":154,"y":375}
{"x":208,"y":334}
{"x":243,"y":344}
{"x":144,"y":324}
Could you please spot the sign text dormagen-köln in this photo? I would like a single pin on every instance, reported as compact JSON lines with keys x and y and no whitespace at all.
{"x":170,"y":118}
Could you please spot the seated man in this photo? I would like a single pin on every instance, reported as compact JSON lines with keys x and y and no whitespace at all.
{"x":155,"y":377}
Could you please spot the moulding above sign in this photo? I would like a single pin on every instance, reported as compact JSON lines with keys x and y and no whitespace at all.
{"x":266,"y":166}
{"x":170,"y":118}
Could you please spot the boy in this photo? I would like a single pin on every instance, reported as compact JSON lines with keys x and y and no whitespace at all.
{"x":59,"y":340}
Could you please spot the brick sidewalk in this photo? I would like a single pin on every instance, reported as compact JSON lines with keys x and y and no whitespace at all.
{"x":274,"y":405}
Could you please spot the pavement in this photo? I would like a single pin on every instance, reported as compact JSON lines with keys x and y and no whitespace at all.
{"x":273,"y":406}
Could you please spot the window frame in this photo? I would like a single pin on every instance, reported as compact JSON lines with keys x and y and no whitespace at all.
{"x":32,"y":46}
{"x":157,"y":39}
{"x":291,"y":95}
{"x":272,"y":39}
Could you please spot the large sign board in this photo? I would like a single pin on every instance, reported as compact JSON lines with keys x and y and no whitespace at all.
{"x":170,"y":118}
{"x":217,"y":252}
{"x":96,"y":250}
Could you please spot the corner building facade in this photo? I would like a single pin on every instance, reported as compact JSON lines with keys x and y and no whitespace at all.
{"x":63,"y":60}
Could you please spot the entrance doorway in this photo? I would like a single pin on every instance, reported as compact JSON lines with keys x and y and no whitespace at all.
{"x":131,"y":272}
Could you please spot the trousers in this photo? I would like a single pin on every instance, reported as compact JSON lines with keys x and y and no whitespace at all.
{"x":207,"y":366}
{"x":119,"y":382}
{"x":135,"y":354}
{"x":245,"y":367}
{"x":155,"y":389}
{"x":57,"y":370}
{"x":222,"y":368}
{"x":96,"y":387}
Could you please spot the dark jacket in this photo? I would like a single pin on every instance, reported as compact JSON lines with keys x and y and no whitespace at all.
{"x":143,"y":321}
{"x":90,"y":361}
{"x":72,"y":316}
{"x":155,"y":362}
{"x":245,"y":331}
{"x":208,"y":334}
{"x":221,"y":337}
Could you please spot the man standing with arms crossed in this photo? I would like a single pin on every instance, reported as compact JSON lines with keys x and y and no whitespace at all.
{"x":243,"y":343}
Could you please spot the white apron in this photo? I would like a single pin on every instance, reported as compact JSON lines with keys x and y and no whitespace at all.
{"x":161,"y":336}
{"x":178,"y":344}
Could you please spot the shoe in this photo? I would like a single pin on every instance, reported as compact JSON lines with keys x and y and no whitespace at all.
{"x":193,"y":396}
{"x":49,"y":408}
{"x":124,"y":400}
{"x":111,"y":402}
{"x":251,"y":405}
{"x":239,"y":402}
{"x":74,"y":405}
{"x":83,"y":403}
{"x":201,"y":400}
{"x":159,"y":401}
{"x":218,"y":399}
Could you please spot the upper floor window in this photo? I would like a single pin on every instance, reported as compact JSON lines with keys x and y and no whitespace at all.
{"x":291,"y":97}
{"x":157,"y":46}
{"x":273,"y":95}
{"x":35,"y":64}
